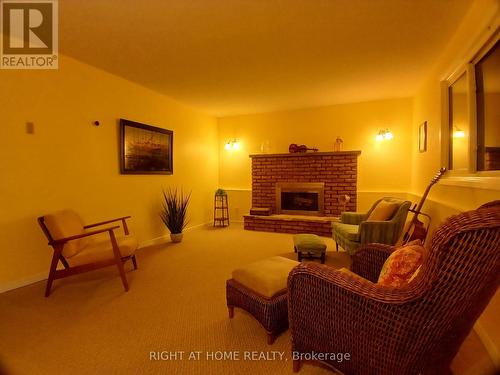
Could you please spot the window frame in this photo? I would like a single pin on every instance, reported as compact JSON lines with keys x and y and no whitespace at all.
{"x":471,"y":177}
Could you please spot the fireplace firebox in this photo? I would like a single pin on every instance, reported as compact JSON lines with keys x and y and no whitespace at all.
{"x":300,"y":198}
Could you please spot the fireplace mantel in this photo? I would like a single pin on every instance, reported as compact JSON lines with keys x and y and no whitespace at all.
{"x":295,"y":154}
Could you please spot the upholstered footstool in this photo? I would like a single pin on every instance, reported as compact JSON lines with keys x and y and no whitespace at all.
{"x":260,"y":289}
{"x":309,"y":245}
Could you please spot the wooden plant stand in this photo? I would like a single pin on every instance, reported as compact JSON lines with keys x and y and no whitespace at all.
{"x":221,"y":210}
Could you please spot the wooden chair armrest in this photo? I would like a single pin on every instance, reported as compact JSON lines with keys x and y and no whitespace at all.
{"x":87,"y":234}
{"x":367,"y":262}
{"x":122,"y":219}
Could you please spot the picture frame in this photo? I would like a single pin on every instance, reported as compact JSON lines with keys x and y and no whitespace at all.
{"x":145,"y":149}
{"x":422,"y":137}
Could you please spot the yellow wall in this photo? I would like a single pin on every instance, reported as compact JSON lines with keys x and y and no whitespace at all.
{"x":68,"y":162}
{"x":383,"y":166}
{"x":445,"y":200}
{"x":427,"y":107}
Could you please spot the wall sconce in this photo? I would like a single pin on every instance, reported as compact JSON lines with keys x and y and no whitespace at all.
{"x":457,"y":133}
{"x":232,"y":145}
{"x":384,"y":135}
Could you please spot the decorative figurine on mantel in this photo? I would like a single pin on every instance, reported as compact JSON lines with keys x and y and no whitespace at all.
{"x":338,"y":144}
{"x":264,"y":146}
{"x":294,"y":148}
{"x":343,"y":200}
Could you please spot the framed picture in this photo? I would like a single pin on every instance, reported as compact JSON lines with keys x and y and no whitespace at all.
{"x":145,"y":149}
{"x":422,"y":137}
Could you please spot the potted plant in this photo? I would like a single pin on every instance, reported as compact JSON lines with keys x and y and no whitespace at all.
{"x":173,"y":213}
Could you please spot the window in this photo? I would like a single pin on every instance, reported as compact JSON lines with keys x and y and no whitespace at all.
{"x":471,"y":122}
{"x":487,"y":71}
{"x":459,"y":124}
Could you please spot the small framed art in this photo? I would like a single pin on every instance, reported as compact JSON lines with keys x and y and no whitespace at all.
{"x":422,"y":137}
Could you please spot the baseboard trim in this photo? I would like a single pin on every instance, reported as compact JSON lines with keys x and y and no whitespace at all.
{"x":23,"y":282}
{"x":43,"y":275}
{"x":154,"y":241}
{"x":198,"y":225}
{"x":488,"y":343}
{"x":166,"y":237}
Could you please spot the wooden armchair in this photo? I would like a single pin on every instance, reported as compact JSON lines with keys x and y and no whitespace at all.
{"x":77,"y":249}
{"x":414,"y":329}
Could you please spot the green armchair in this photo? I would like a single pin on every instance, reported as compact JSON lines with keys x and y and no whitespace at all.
{"x":353,"y":230}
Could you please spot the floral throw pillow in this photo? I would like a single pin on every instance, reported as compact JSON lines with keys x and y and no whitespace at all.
{"x":402,"y":264}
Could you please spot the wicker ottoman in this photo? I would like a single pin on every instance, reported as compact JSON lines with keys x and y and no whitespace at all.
{"x":260,"y":289}
{"x":309,"y":245}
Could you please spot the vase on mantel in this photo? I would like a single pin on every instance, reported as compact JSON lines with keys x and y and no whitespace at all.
{"x":338,"y":144}
{"x":264,"y":147}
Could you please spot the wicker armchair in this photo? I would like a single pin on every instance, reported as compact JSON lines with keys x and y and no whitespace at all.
{"x":416,"y":329}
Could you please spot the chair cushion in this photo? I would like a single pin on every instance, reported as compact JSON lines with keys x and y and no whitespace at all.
{"x":348,"y":231}
{"x":383,"y":211}
{"x":103,"y":250}
{"x":67,"y":223}
{"x":266,"y":277}
{"x":308,"y":243}
{"x":401,"y":265}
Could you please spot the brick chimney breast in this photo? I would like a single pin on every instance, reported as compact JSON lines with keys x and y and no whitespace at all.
{"x":338,"y":172}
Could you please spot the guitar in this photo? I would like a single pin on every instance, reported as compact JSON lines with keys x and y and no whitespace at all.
{"x":415,"y":229}
{"x":293,"y":148}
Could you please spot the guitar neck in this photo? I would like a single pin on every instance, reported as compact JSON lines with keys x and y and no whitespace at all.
{"x":422,"y":200}
{"x":426,"y":192}
{"x":414,"y":224}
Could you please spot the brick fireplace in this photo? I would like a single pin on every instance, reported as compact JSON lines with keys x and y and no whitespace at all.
{"x":275,"y":177}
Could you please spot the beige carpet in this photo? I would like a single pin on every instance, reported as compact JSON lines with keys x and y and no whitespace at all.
{"x":176,"y":303}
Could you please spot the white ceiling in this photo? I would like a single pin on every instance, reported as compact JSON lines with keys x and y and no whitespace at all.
{"x":230,"y":57}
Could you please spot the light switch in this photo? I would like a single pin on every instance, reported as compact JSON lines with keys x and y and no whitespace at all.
{"x":30,"y":128}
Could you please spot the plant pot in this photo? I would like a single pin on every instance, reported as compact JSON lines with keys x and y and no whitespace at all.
{"x":176,"y":237}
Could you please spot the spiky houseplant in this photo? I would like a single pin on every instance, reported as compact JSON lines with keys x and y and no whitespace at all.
{"x":174,"y":211}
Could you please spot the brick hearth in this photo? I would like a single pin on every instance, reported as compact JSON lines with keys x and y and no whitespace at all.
{"x":322,"y":226}
{"x":337,"y":170}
